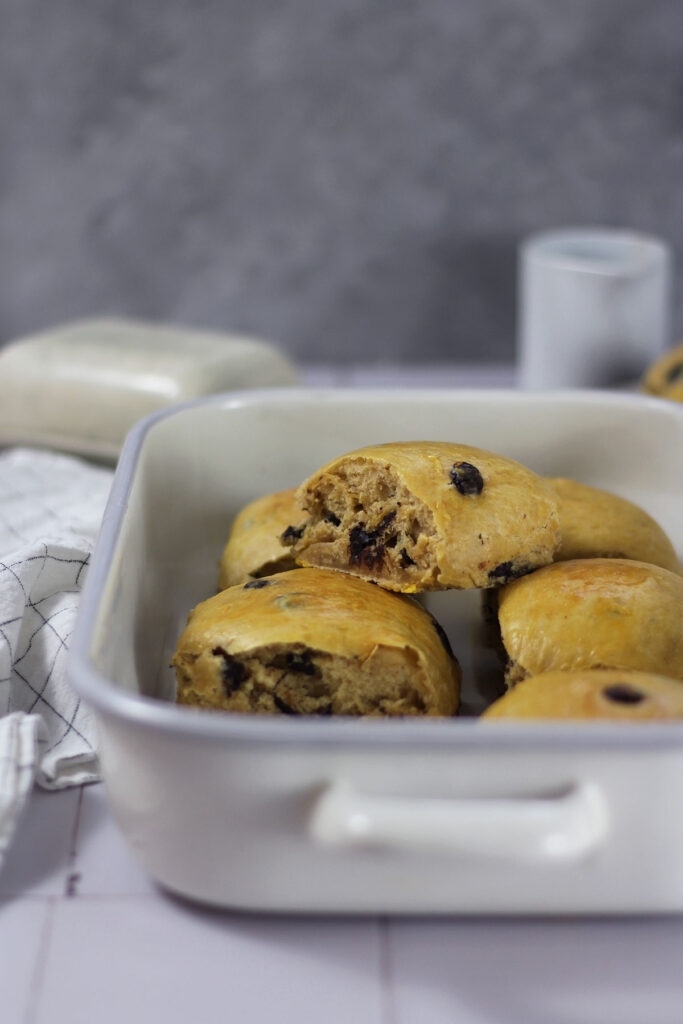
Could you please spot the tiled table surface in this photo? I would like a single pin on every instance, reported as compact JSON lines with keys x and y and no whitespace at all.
{"x":87,"y":938}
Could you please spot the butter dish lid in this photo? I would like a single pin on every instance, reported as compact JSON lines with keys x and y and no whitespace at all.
{"x":81,"y":386}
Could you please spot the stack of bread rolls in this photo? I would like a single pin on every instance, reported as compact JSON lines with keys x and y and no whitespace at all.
{"x":316,"y":612}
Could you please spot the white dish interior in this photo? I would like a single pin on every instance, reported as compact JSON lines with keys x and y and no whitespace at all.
{"x":197,"y":468}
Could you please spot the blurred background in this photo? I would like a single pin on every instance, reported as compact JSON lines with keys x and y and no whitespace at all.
{"x":350,"y":179}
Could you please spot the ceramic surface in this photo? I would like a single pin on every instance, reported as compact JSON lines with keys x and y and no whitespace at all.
{"x":257,"y":812}
{"x":594,"y":307}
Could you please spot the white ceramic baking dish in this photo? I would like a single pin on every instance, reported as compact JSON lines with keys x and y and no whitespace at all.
{"x":403,"y":816}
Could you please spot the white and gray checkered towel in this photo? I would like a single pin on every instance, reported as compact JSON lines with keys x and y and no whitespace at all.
{"x":50,"y":511}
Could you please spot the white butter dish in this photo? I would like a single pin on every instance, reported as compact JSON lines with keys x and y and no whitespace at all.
{"x":81,"y":386}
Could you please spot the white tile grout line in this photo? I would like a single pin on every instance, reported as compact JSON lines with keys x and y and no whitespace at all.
{"x":386,"y":972}
{"x":73,"y":877}
{"x":35,"y":986}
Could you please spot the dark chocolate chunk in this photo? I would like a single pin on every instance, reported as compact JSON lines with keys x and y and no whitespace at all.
{"x":233,"y":672}
{"x":258,"y":584}
{"x":359,"y":540}
{"x":365,"y":546}
{"x":330,"y":517}
{"x":406,"y":560}
{"x":466,"y":478}
{"x":283,"y":707}
{"x":292,"y":534}
{"x":301,"y":663}
{"x":293,"y":661}
{"x":674,"y":373}
{"x":623,"y":693}
{"x":503,"y":571}
{"x":506,"y":571}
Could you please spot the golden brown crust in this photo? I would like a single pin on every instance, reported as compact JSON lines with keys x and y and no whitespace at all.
{"x":592,"y":694}
{"x":594,"y":613}
{"x":427,"y":515}
{"x":315,"y":641}
{"x":665,"y":377}
{"x":597,"y":524}
{"x":255,"y":546}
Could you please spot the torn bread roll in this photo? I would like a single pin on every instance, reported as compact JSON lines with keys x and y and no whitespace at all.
{"x":427,"y":515}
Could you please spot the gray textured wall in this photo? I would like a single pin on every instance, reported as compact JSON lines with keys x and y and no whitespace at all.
{"x":350,"y":178}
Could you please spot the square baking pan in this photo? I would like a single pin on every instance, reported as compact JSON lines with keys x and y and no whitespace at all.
{"x":356,"y":816}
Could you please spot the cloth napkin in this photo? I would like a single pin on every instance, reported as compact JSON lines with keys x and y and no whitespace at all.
{"x":51,"y":507}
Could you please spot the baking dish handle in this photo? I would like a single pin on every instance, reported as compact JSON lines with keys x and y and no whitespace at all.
{"x":543,"y":830}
